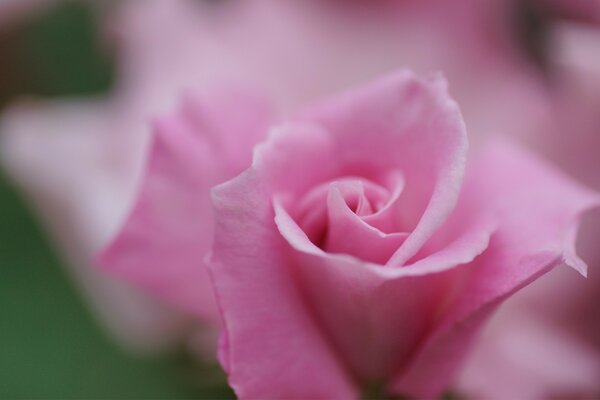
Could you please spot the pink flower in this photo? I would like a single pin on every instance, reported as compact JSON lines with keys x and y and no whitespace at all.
{"x":350,"y":253}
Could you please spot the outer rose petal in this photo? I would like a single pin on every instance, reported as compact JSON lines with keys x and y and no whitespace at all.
{"x":538,"y":211}
{"x":273,"y":348}
{"x":163,"y":244}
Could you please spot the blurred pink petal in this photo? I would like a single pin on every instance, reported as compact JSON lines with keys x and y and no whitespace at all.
{"x":520,"y":356}
{"x":555,"y":322}
{"x":208,"y":142}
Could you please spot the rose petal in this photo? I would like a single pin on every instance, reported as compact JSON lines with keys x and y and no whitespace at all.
{"x":386,"y":219}
{"x":274,"y":351}
{"x":376,"y":315}
{"x":169,"y":232}
{"x":404,"y":123}
{"x":346,"y":230}
{"x":537,"y":210}
{"x":360,"y":195}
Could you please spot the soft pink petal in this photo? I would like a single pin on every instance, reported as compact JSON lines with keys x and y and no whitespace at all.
{"x":538,"y":209}
{"x":273,"y":349}
{"x":169,"y":232}
{"x":402,"y":122}
{"x":348,"y":234}
{"x":296,"y":158}
{"x":386,"y":218}
{"x":375,"y":316}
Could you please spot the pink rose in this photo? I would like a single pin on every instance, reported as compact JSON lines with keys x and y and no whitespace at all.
{"x":350,"y":254}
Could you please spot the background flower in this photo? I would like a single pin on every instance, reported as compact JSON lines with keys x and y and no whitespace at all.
{"x":553,"y":323}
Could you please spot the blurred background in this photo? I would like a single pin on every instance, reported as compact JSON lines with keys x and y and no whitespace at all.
{"x":50,"y":344}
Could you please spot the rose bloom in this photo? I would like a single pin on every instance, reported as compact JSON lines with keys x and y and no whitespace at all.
{"x":359,"y":250}
{"x":79,"y":161}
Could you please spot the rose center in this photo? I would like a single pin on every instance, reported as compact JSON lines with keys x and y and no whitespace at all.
{"x":341,"y":215}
